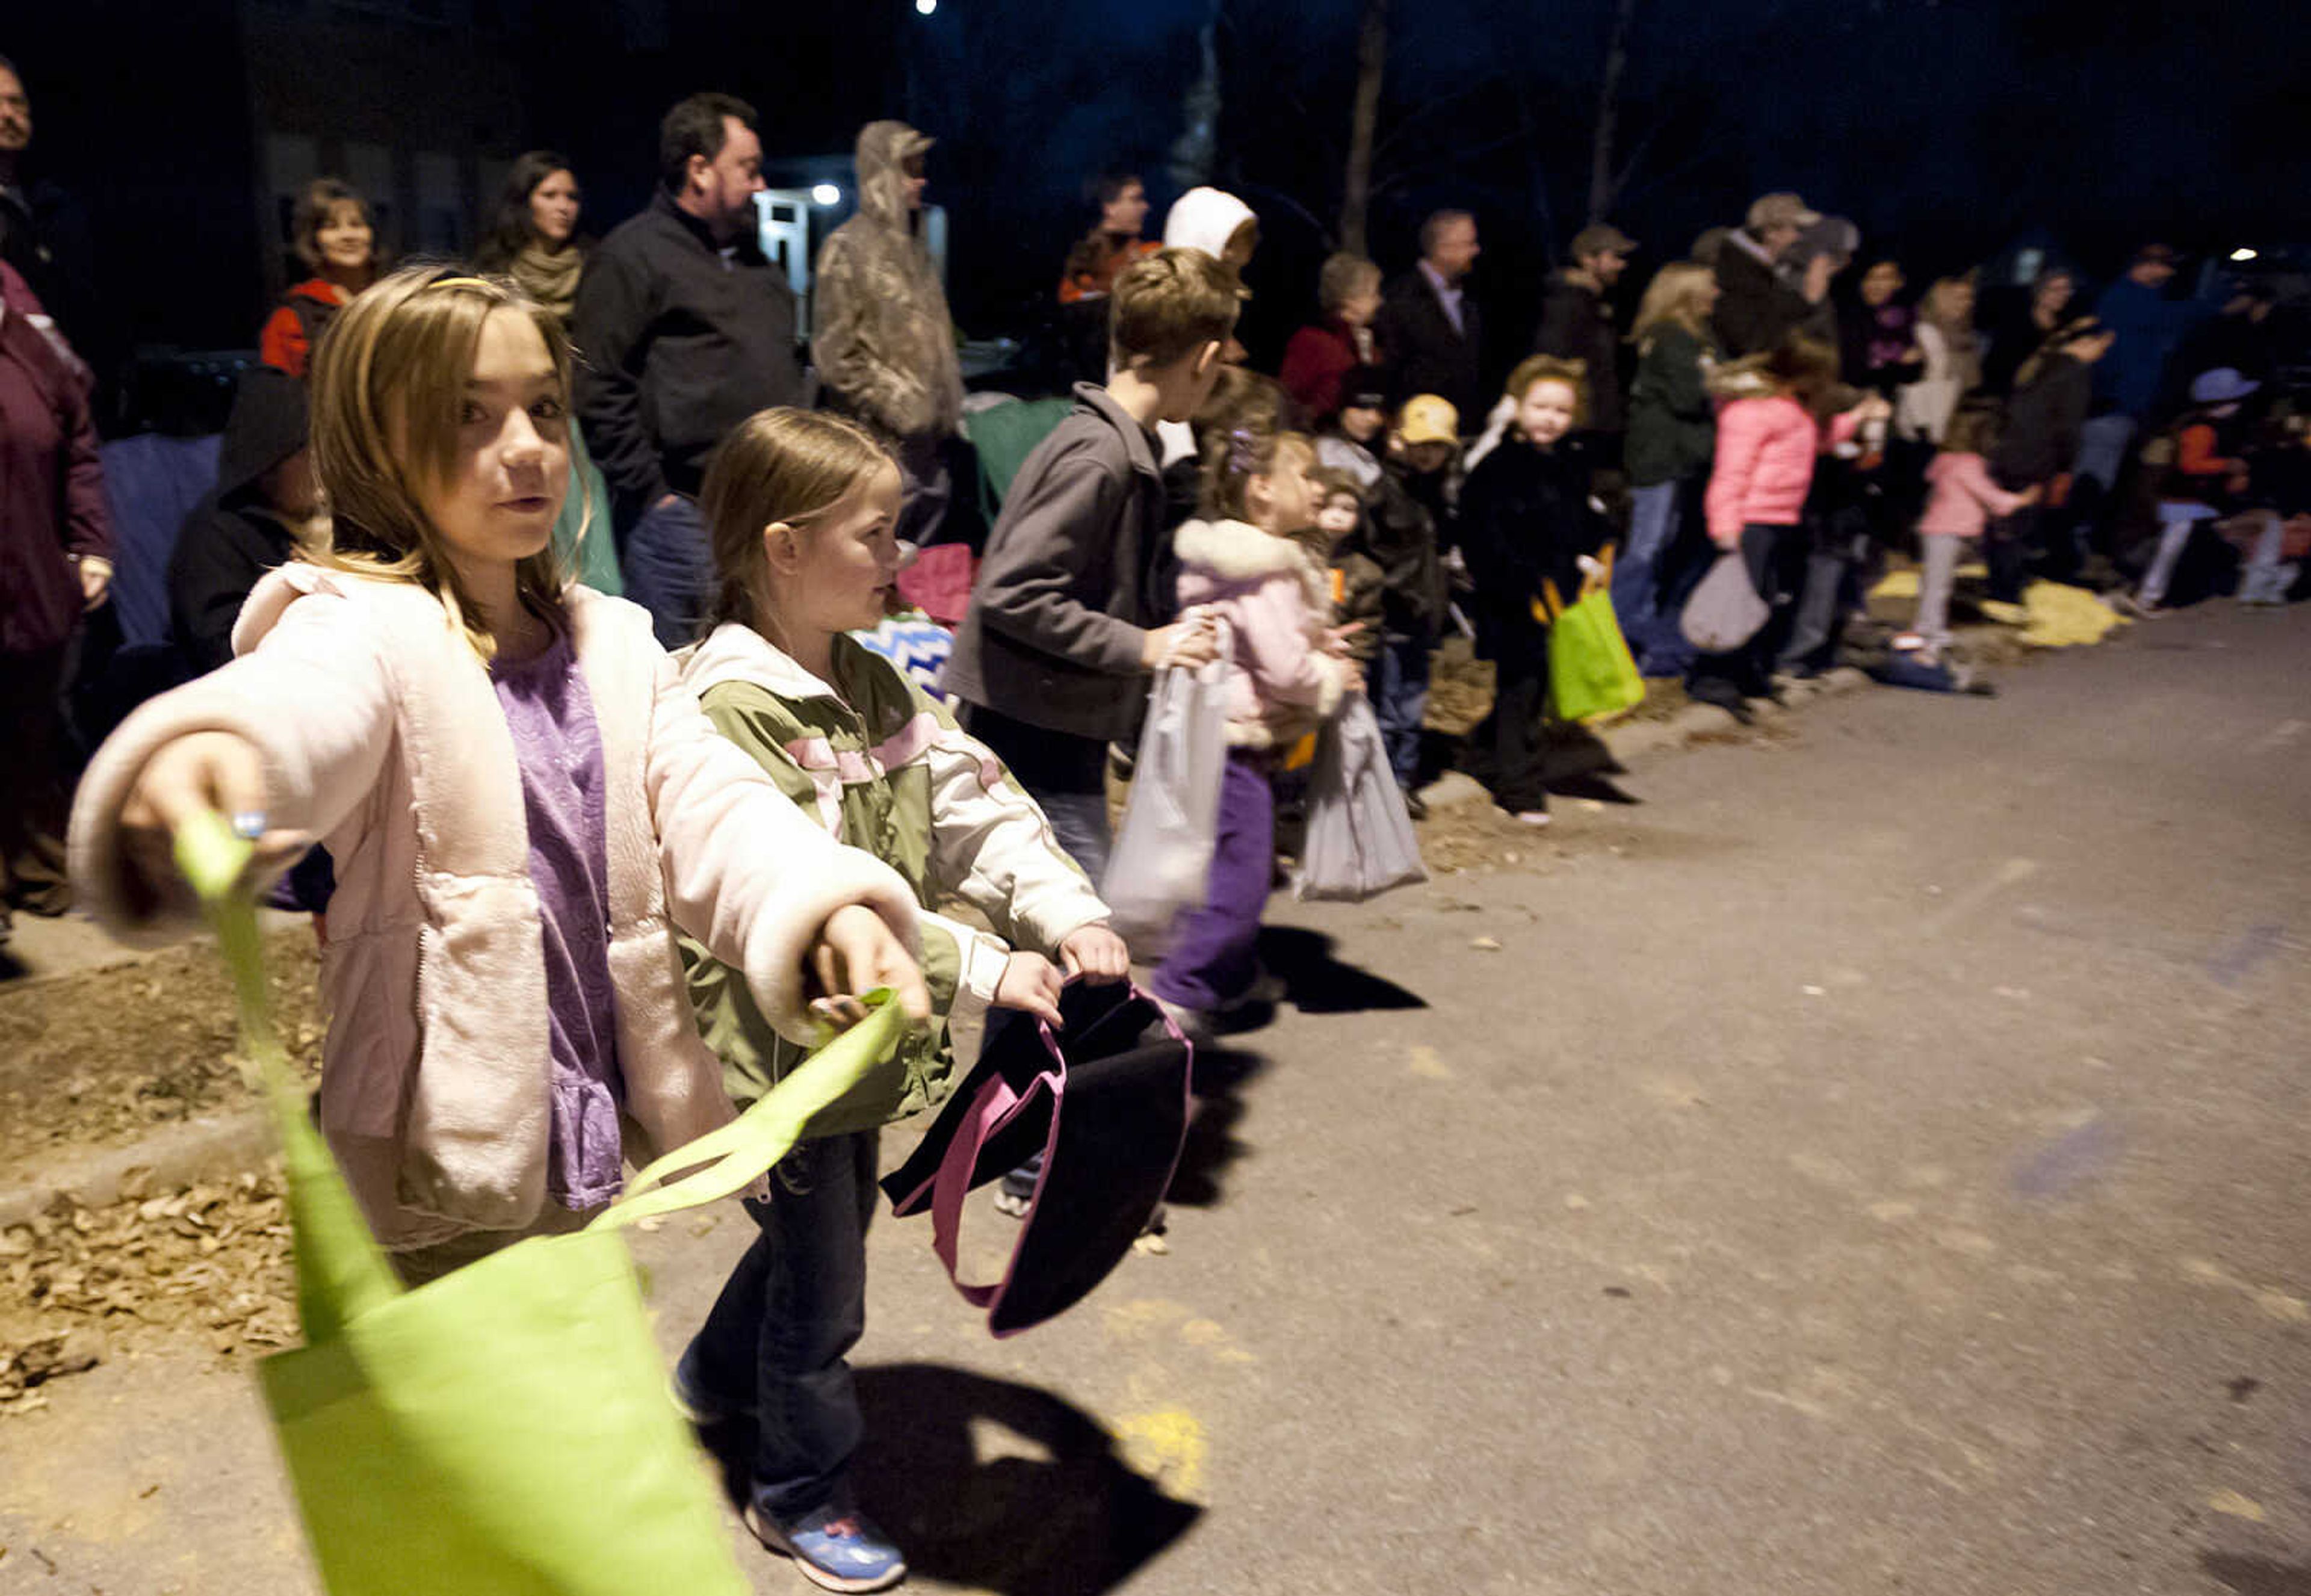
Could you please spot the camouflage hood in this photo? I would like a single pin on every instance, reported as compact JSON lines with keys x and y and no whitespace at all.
{"x":884,"y":344}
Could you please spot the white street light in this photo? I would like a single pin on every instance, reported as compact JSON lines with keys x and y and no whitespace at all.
{"x":2242,"y":255}
{"x":826,"y":193}
{"x":925,"y":7}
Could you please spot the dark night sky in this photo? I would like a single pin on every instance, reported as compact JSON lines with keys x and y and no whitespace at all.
{"x":1945,"y":129}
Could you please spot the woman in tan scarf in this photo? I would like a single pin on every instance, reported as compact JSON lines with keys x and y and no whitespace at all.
{"x":534,"y":240}
{"x":533,"y":237}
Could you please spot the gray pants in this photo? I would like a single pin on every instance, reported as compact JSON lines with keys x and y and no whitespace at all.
{"x":2267,"y":577}
{"x":1935,"y":580}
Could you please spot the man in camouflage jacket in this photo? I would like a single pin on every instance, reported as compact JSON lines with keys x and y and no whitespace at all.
{"x":883,"y":341}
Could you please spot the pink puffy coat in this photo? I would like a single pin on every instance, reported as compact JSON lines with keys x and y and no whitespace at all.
{"x":382,"y":736}
{"x":1763,"y":469}
{"x":1963,"y":497}
{"x":1281,"y":685}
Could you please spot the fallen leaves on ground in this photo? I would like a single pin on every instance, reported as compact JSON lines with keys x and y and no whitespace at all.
{"x":207,"y":1263}
{"x":101,"y":1056}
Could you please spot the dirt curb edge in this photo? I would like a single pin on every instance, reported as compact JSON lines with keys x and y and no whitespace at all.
{"x":210,"y":1147}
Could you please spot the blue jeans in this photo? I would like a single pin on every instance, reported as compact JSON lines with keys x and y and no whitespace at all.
{"x":795,"y":1303}
{"x":2102,"y":448}
{"x":1080,"y":821}
{"x":1400,"y":702}
{"x":669,"y":571}
{"x":1637,"y":573}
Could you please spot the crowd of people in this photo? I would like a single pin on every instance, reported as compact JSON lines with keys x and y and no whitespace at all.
{"x":643,"y":855}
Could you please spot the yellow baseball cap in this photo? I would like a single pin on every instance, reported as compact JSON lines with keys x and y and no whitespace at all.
{"x":1428,"y":418}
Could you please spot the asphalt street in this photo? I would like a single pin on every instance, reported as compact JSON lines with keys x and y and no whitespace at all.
{"x":1873,"y":1161}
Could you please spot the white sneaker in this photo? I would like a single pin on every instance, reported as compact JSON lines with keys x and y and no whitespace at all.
{"x":1532,"y":817}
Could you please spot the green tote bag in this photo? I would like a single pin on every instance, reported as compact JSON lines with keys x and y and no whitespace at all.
{"x":1591,"y":674}
{"x":504,"y":1430}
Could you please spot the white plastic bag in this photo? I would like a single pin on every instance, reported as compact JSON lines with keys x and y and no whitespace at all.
{"x":1725,"y":611}
{"x":1161,"y":861}
{"x":1360,"y":839}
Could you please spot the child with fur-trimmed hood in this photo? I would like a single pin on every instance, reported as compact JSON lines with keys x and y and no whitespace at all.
{"x":1287,"y":673}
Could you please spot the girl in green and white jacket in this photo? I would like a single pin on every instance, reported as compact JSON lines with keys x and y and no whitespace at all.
{"x":801,"y":508}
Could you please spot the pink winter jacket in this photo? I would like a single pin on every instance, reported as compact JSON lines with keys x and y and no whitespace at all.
{"x":1281,"y":685}
{"x":1964,"y":498}
{"x":382,"y":736}
{"x":1765,"y":450}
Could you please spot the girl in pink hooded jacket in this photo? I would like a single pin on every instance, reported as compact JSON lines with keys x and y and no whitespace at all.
{"x":522,"y":800}
{"x":1768,"y":438}
{"x":1287,"y":670}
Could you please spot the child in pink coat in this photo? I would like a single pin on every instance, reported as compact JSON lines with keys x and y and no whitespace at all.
{"x":1287,"y":673}
{"x":1768,"y":438}
{"x":1962,"y":500}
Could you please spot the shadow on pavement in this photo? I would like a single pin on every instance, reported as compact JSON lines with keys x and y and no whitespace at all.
{"x":1316,"y":982}
{"x":1221,"y":1073}
{"x":2257,"y":1577}
{"x":1054,"y":1511}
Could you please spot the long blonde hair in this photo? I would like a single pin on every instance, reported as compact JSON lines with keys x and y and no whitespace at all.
{"x":1675,"y":297}
{"x":779,"y":464}
{"x":389,"y":388}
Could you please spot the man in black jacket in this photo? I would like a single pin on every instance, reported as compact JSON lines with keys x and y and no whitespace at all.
{"x":1757,"y":304}
{"x":1430,"y":324}
{"x":683,"y":330}
{"x":1576,"y":323}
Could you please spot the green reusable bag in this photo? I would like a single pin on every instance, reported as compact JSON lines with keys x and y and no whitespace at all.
{"x":504,"y":1430}
{"x":1591,"y":674}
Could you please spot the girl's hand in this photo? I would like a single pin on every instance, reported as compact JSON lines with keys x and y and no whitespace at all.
{"x":1336,"y":638}
{"x":1096,"y":954}
{"x":856,"y":953}
{"x":1727,"y":541}
{"x":1030,"y":984}
{"x":1873,"y":408}
{"x":2034,"y":492}
{"x":202,"y":770}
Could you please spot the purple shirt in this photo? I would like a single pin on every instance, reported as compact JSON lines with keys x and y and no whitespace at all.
{"x":559,"y":749}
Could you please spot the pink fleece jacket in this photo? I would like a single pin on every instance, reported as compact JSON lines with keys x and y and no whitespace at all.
{"x":1963,"y":497}
{"x":382,"y":736}
{"x":1765,"y":450}
{"x":1281,"y":685}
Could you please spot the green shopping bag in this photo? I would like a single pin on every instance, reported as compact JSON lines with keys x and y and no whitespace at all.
{"x":504,"y":1430}
{"x":1591,"y":674}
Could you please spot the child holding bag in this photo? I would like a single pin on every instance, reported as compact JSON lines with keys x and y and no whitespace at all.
{"x":1526,"y":519}
{"x":800,"y":508}
{"x":522,"y":800}
{"x":1769,"y":436}
{"x":1287,"y":672}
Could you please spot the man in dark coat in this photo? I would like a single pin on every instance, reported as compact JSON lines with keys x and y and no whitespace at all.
{"x":1757,"y":303}
{"x":1576,"y":323}
{"x":43,"y":235}
{"x":264,"y":501}
{"x":56,"y":564}
{"x":1430,"y":324}
{"x":685,"y":329}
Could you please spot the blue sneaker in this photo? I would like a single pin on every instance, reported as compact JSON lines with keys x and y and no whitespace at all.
{"x":704,"y":1408}
{"x":834,"y":1549}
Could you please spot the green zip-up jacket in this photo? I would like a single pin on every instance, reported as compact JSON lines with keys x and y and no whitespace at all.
{"x":885,"y":769}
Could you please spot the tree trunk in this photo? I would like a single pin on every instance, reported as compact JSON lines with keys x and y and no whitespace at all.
{"x":1601,"y":184}
{"x":1356,"y":193}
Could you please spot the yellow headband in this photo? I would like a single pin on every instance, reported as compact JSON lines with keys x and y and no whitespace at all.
{"x":460,"y":283}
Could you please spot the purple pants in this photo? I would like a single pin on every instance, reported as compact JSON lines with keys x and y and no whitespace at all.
{"x":1214,"y":956}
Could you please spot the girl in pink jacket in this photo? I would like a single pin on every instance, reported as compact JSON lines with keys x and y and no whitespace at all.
{"x":522,"y":800}
{"x":1768,"y":438}
{"x":1287,"y":673}
{"x":1961,"y":501}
